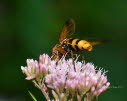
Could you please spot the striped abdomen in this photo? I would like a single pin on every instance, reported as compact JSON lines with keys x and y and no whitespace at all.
{"x":78,"y":44}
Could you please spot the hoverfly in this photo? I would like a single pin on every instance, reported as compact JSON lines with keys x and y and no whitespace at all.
{"x":69,"y":46}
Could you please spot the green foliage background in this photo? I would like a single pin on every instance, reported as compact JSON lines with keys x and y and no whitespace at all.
{"x":29,"y":28}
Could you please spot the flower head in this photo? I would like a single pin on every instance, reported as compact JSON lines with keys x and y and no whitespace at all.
{"x":67,"y":79}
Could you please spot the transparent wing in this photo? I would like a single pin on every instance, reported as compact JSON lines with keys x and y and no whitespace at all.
{"x":67,"y":29}
{"x":97,"y":41}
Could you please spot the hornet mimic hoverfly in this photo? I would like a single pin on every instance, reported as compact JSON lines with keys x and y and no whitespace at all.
{"x":69,"y":46}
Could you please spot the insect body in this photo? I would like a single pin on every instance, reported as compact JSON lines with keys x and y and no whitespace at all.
{"x":67,"y":45}
{"x":79,"y":45}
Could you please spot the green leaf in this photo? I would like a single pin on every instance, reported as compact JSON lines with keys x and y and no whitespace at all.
{"x":33,"y":97}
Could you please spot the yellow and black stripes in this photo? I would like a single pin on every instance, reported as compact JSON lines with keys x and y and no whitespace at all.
{"x":78,"y":44}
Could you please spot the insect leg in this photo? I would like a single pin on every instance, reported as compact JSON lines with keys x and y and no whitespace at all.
{"x":82,"y":53}
{"x":72,"y":55}
{"x":61,"y":51}
{"x":82,"y":57}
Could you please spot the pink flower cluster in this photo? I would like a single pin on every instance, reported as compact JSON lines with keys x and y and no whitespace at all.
{"x":66,"y":79}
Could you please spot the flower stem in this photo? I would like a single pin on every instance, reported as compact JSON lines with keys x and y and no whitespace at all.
{"x":42,"y":88}
{"x":45,"y":94}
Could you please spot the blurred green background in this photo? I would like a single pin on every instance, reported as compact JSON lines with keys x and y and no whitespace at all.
{"x":29,"y":28}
